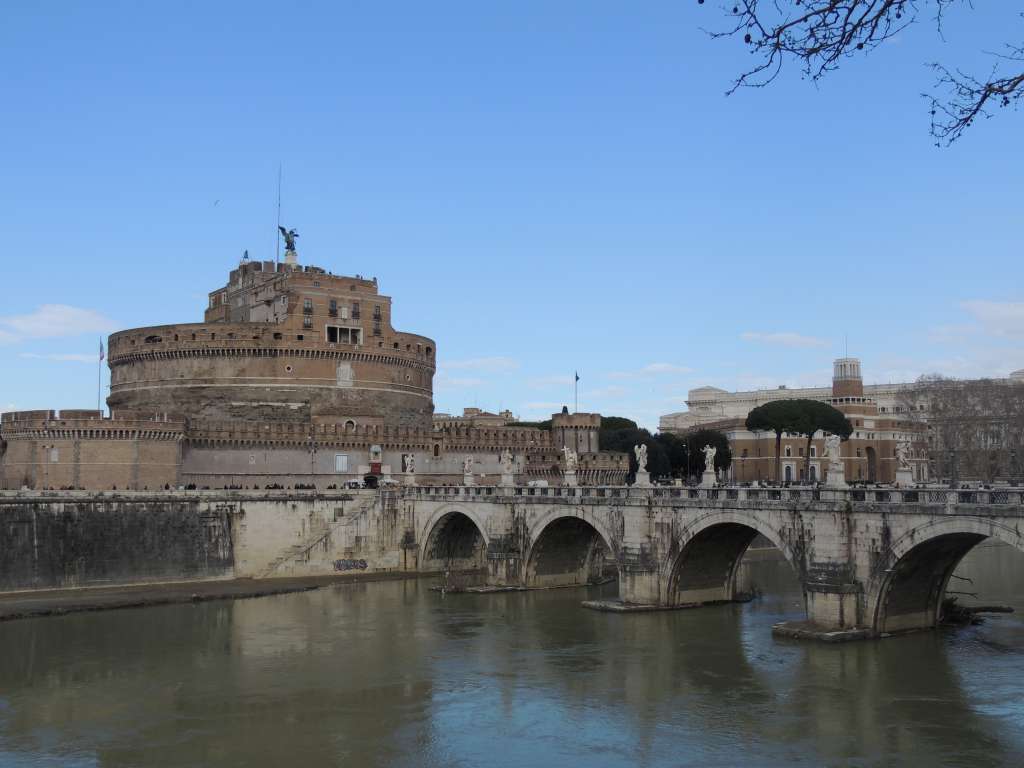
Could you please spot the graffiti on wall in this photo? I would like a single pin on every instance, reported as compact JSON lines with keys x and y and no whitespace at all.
{"x":350,"y":565}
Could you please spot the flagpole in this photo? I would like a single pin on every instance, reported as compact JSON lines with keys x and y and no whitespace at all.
{"x":576,"y":393}
{"x":99,"y":368}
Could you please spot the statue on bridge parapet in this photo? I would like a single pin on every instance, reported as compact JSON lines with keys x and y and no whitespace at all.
{"x":467,"y":471}
{"x":571,"y":463}
{"x":903,"y":454}
{"x":709,"y":478}
{"x":572,"y":459}
{"x":709,"y":452}
{"x":508,"y":468}
{"x":640,"y":451}
{"x":643,"y":477}
{"x":904,"y":471}
{"x":836,"y":471}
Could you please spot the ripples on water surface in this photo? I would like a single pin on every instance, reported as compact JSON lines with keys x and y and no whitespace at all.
{"x":393,"y":674}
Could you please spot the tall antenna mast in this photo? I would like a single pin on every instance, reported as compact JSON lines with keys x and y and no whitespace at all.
{"x":277,"y":232}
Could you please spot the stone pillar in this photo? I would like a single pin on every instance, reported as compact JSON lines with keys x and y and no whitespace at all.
{"x":569,"y":479}
{"x":904,"y":478}
{"x":643,"y":480}
{"x":468,"y":479}
{"x":708,"y":479}
{"x":410,"y":478}
{"x":836,"y":477}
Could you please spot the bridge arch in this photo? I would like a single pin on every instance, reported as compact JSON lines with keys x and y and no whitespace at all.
{"x":704,"y":560}
{"x":907,"y":594}
{"x":567,"y":548}
{"x":453,"y":538}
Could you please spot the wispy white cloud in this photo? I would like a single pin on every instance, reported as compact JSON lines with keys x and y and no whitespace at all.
{"x":481,"y":364}
{"x":785,"y":339}
{"x":63,"y":358}
{"x":51,"y":321}
{"x":1000,"y":318}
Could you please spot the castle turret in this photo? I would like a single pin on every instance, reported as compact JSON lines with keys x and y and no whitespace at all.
{"x":846,"y":378}
{"x":577,"y":431}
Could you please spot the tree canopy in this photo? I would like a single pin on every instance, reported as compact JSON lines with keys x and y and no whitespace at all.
{"x":820,"y":34}
{"x":799,"y":417}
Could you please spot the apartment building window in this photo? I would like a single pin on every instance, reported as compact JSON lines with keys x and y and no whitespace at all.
{"x":789,"y":452}
{"x":341,"y":462}
{"x":376,"y":328}
{"x":355,"y":310}
{"x":814,"y":452}
{"x":307,"y":322}
{"x":307,"y":306}
{"x":332,"y":309}
{"x":376,"y":311}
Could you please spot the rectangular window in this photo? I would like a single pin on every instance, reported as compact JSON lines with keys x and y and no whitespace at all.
{"x":307,"y":322}
{"x":376,"y":311}
{"x":341,"y":462}
{"x":54,"y":455}
{"x":814,"y":452}
{"x":376,"y":328}
{"x":355,"y":310}
{"x":307,"y":306}
{"x":339,"y":335}
{"x":333,"y":308}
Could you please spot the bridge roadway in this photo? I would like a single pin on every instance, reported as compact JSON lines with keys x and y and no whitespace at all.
{"x":870,"y":561}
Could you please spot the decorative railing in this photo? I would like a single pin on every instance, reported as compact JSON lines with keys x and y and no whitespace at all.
{"x":669,"y":496}
{"x":886,"y":496}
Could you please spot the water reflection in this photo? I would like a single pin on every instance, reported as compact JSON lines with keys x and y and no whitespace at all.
{"x":394,"y":674}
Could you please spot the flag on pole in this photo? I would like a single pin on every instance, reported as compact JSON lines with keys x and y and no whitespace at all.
{"x":102,"y":355}
{"x":577,"y":375}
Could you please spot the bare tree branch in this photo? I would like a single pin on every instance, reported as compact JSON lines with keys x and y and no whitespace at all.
{"x":821,"y":33}
{"x":969,"y":98}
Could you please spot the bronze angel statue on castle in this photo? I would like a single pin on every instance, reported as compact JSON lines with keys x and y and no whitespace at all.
{"x":289,"y":236}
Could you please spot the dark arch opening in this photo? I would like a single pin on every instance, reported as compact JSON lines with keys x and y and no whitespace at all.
{"x":569,"y":552}
{"x":454,"y":544}
{"x":916,"y":585}
{"x":710,"y":567}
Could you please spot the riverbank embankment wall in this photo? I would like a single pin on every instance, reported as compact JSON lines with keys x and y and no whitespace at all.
{"x":81,"y":539}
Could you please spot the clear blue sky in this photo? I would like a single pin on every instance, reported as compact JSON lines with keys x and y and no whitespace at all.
{"x":542,"y":187}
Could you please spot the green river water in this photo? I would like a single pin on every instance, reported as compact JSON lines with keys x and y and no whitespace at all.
{"x":393,"y":674}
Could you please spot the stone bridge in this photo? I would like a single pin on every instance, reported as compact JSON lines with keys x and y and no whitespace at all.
{"x":870,"y":562}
